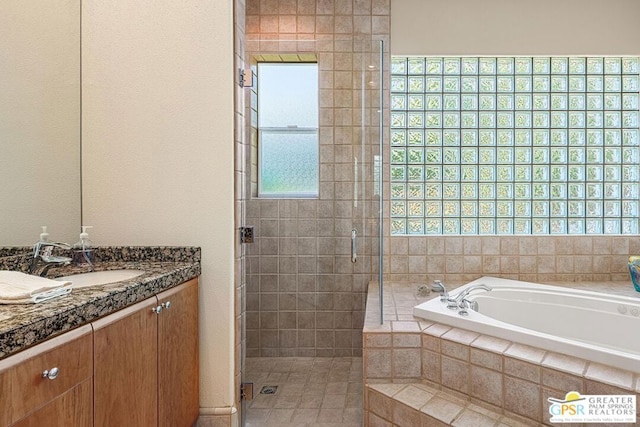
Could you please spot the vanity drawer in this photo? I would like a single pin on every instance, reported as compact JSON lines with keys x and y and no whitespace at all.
{"x":39,"y":375}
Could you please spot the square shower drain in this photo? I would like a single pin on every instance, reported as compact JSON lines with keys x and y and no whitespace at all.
{"x":269,"y":389}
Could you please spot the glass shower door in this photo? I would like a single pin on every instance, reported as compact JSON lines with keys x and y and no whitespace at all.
{"x":309,"y":267}
{"x":368,"y":163}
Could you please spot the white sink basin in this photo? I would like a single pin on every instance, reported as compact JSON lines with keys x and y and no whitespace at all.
{"x":96,"y":278}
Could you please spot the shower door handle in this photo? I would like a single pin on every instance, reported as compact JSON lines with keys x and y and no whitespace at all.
{"x":354,"y":245}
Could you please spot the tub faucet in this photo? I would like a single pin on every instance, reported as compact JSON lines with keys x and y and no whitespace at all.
{"x":438,"y":286}
{"x":462,"y":296}
{"x":43,"y":259}
{"x":465,"y":305}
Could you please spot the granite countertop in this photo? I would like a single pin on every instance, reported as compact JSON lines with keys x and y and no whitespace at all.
{"x":24,"y":325}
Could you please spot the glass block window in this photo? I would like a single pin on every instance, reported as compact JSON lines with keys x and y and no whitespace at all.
{"x":288,"y":129}
{"x":514,"y":145}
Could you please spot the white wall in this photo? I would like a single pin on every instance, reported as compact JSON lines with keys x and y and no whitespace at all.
{"x":515,"y":27}
{"x":157,"y":156}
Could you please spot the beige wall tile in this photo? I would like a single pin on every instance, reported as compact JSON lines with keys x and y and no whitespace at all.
{"x":546,"y":264}
{"x":490,"y":264}
{"x":523,"y":398}
{"x":453,"y":245}
{"x":472,"y":264}
{"x":470,"y":418}
{"x":486,"y":359}
{"x":379,"y":405}
{"x":455,"y":374}
{"x":431,"y":366}
{"x":406,"y":363}
{"x":486,"y":385}
{"x":561,"y":381}
{"x":435,"y":245}
{"x":377,"y":363}
{"x":404,"y":415}
{"x":563,"y":245}
{"x":509,"y":245}
{"x":523,"y":370}
{"x":406,"y":340}
{"x":375,"y":421}
{"x":490,"y":245}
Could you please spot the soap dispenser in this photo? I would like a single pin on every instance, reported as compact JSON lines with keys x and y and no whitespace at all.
{"x":83,"y":249}
{"x":44,"y":236}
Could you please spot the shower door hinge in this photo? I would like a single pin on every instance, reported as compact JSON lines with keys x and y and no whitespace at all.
{"x":246,"y":234}
{"x":246,"y":391}
{"x":245,"y":78}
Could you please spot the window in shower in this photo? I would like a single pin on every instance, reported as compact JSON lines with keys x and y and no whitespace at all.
{"x":514,"y":145}
{"x":287,"y":129}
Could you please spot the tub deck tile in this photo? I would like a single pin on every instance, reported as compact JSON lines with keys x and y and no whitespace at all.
{"x":492,"y":344}
{"x":436,"y":330}
{"x":525,"y":352}
{"x":610,"y":375}
{"x":461,"y":336}
{"x":402,"y":326}
{"x":565,"y":363}
{"x":444,"y":410}
{"x":415,"y":397}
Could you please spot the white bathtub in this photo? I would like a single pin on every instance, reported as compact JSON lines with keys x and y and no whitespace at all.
{"x":594,"y":326}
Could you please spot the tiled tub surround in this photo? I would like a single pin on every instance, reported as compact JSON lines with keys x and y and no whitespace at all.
{"x":417,"y":371}
{"x":24,"y":325}
{"x":538,"y":259}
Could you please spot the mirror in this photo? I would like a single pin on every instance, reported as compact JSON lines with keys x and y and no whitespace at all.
{"x":39,"y":120}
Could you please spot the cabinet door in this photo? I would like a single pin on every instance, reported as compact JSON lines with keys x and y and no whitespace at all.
{"x":28,"y":395}
{"x":73,"y":408}
{"x":178,"y":356}
{"x":125,"y":367}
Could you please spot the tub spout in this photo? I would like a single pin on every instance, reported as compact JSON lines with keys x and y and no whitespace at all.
{"x":462,"y":296}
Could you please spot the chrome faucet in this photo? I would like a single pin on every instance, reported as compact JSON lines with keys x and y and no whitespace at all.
{"x":461,"y":301}
{"x":465,"y":305}
{"x":438,"y":286}
{"x":42,"y":251}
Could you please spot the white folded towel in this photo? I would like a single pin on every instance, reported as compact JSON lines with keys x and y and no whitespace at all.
{"x":22,"y":288}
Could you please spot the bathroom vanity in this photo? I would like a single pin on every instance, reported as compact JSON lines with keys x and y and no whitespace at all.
{"x":123,"y":353}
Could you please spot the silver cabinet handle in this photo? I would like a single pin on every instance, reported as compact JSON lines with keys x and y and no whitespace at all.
{"x":157,"y":310}
{"x":354,"y":246}
{"x":166,"y":305}
{"x":52,"y":373}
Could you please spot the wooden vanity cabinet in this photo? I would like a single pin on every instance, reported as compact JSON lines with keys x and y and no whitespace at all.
{"x":124,"y":372}
{"x":178,"y":391}
{"x":49,"y":384}
{"x":146,"y":362}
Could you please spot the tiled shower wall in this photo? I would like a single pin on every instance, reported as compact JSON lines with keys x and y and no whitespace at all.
{"x":304,"y":296}
{"x":459,"y":259}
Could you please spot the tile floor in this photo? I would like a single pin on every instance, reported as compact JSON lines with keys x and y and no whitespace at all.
{"x":312,"y":391}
